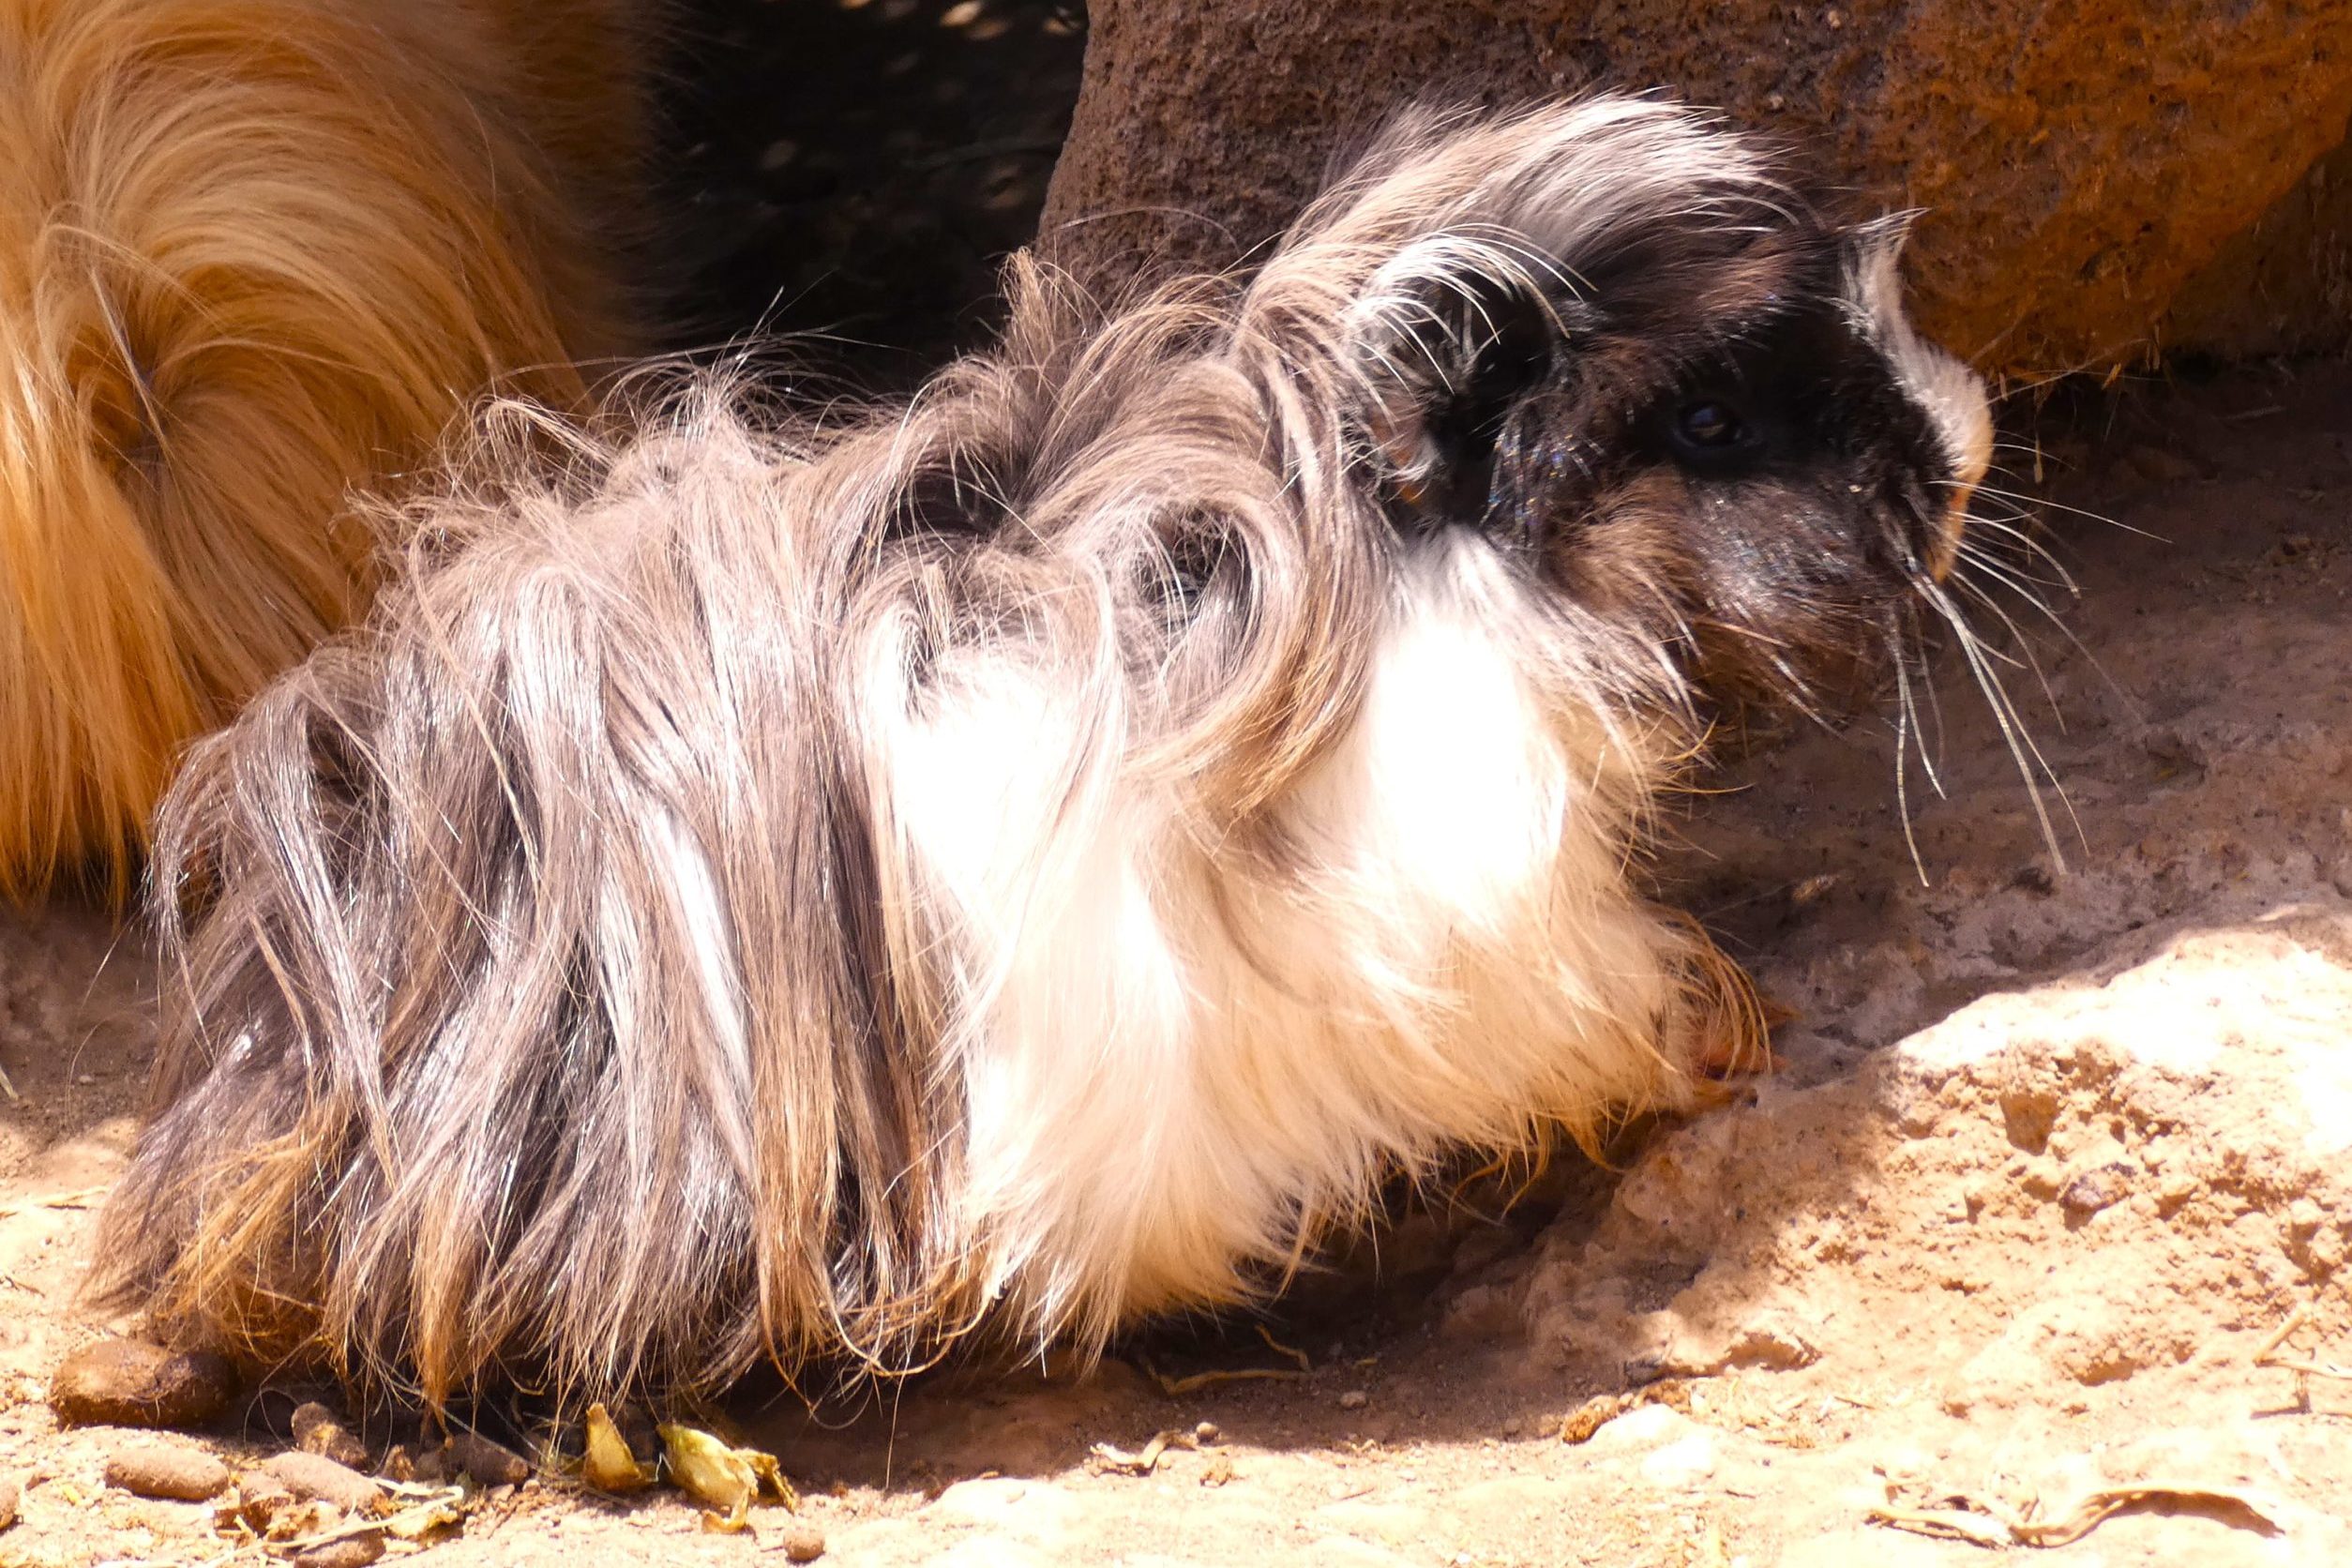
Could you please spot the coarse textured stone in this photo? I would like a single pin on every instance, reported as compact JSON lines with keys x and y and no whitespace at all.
{"x":2284,"y":285}
{"x":352,"y":1551}
{"x":315,"y":1476}
{"x":163,"y":1469}
{"x":487,"y":1463}
{"x":801,"y":1542}
{"x":318,"y":1429}
{"x":129,"y":1383}
{"x":2088,"y":172}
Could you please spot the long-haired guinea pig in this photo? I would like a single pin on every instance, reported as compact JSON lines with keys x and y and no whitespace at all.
{"x":1036,"y":856}
{"x":253,"y":252}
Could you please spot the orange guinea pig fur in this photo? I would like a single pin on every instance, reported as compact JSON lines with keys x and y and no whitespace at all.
{"x":254,"y":254}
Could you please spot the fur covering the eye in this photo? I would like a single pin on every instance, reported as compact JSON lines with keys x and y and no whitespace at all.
{"x":800,"y":889}
{"x":253,"y":252}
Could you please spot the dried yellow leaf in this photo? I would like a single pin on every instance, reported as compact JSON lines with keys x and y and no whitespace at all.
{"x":724,"y":1476}
{"x":608,"y":1466}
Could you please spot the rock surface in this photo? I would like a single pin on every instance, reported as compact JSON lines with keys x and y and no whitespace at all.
{"x":314,"y":1477}
{"x":352,"y":1551}
{"x":2284,"y":285}
{"x":320,"y":1430}
{"x":164,"y":1468}
{"x":487,"y":1463}
{"x":2080,"y":166}
{"x":129,"y":1383}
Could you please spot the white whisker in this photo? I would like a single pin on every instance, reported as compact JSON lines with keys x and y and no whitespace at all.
{"x":2031,"y":501}
{"x":2025,"y":648}
{"x":1904,"y":728}
{"x":2022,"y":747}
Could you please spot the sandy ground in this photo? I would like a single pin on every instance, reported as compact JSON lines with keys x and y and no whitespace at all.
{"x":2053,"y":1154}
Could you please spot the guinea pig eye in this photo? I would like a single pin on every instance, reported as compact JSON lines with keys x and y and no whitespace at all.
{"x":1710,"y":424}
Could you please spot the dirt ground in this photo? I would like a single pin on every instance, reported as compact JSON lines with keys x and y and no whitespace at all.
{"x":2052,"y":1155}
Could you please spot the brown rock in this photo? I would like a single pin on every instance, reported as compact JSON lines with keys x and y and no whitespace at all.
{"x":2094,"y":1190}
{"x":128,"y":1382}
{"x":319,"y":1430}
{"x":158,"y":1468}
{"x":352,"y":1551}
{"x":2282,"y":285}
{"x":12,"y":1496}
{"x":2081,"y":167}
{"x":315,"y":1476}
{"x":487,"y":1463}
{"x":802,"y":1541}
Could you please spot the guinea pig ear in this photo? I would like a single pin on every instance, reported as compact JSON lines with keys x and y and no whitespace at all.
{"x":1873,"y":261}
{"x":1444,"y":367}
{"x":1941,"y":387}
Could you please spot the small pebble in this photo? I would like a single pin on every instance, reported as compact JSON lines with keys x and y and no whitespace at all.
{"x":487,"y":1463}
{"x":12,"y":1492}
{"x":1206,"y":1432}
{"x":314,"y":1475}
{"x":321,"y":1431}
{"x":1513,"y":1426}
{"x":398,"y":1466}
{"x":352,"y":1551}
{"x":1354,"y":1400}
{"x":2094,"y":1190}
{"x":156,"y":1467}
{"x":802,"y":1541}
{"x":129,"y":1383}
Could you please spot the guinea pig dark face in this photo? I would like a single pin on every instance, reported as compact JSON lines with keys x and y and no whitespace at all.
{"x":1734,"y":438}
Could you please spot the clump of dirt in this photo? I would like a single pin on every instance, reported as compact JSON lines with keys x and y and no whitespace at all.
{"x":2077,"y":166}
{"x":2044,"y":1214}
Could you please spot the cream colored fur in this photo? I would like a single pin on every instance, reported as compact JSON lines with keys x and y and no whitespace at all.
{"x":1159,"y":1084}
